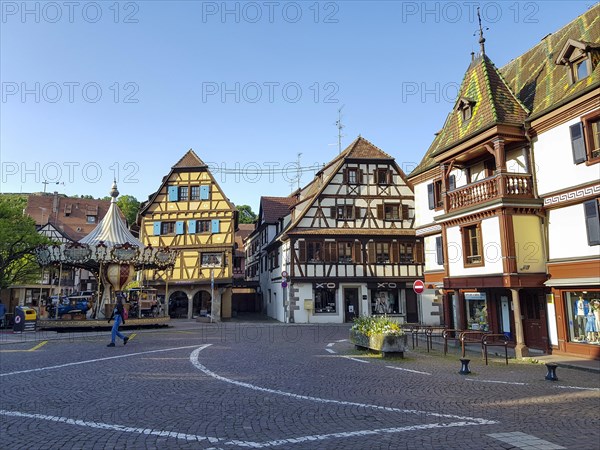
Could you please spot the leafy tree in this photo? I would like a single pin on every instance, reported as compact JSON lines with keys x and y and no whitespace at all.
{"x":245,"y":214}
{"x":18,"y":240}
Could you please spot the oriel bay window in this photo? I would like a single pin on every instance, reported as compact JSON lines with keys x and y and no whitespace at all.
{"x":472,"y":245}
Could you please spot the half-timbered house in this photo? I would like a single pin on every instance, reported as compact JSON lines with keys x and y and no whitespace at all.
{"x":488,"y":190}
{"x":350,"y":247}
{"x":189,"y":212}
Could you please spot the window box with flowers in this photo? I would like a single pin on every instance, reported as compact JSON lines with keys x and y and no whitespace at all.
{"x":380,"y":334}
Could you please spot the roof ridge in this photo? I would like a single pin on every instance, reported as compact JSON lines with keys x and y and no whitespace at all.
{"x":190,"y":154}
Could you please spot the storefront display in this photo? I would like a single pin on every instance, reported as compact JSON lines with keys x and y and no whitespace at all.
{"x":325,"y":300}
{"x":583,"y":310}
{"x":385,"y":301}
{"x":477,"y":315}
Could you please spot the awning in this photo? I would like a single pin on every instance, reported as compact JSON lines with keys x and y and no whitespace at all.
{"x":555,"y":282}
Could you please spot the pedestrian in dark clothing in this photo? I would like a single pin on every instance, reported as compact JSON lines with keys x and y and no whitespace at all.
{"x":119,"y":315}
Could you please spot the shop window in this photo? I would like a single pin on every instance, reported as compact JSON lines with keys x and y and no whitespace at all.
{"x":325,"y":300}
{"x":583,"y":310}
{"x":385,"y":301}
{"x":472,"y":246}
{"x":477,"y":316}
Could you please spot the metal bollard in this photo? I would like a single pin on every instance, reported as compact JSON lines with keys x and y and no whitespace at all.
{"x":464,"y":369}
{"x":551,"y":375}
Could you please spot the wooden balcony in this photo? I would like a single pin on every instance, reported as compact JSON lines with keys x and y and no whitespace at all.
{"x":501,"y":186}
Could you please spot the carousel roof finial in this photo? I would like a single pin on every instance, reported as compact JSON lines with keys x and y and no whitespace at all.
{"x":114,"y":192}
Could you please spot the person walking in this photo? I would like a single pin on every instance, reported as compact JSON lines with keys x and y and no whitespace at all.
{"x":119,"y":315}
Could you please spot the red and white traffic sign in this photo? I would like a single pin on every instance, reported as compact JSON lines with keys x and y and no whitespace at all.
{"x":418,"y":286}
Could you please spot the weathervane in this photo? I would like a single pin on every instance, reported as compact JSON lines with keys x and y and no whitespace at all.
{"x":481,"y":38}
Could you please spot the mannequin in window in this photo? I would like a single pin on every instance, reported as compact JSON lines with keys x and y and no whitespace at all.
{"x":581,"y":310}
{"x":591,"y":327}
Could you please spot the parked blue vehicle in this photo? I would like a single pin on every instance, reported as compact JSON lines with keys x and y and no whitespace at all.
{"x":68,"y":305}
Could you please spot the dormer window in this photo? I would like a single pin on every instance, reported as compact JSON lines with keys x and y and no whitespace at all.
{"x":464,"y":107}
{"x":576,"y":56}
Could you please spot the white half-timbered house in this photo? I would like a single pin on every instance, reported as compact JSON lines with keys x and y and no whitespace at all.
{"x":350,"y":247}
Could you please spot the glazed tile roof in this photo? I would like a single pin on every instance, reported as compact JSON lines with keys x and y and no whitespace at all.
{"x":526,"y":87}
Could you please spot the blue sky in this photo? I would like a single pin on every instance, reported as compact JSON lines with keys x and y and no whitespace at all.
{"x":94,"y":90}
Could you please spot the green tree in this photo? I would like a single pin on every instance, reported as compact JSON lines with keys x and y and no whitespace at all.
{"x":130,"y":206}
{"x":18,"y":240}
{"x":245,"y":214}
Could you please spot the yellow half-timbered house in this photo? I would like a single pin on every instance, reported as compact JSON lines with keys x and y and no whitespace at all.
{"x":190,"y":213}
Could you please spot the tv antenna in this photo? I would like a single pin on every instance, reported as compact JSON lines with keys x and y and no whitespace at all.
{"x":340,"y":126}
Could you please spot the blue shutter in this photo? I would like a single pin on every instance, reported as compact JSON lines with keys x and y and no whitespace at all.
{"x":179,"y":227}
{"x":173,"y":193}
{"x":451,"y":182}
{"x":592,"y":221}
{"x":431,"y":196}
{"x":156,"y":228}
{"x":204,"y":192}
{"x":215,"y":225}
{"x":577,"y":143}
{"x":439,"y":251}
{"x":191,"y":226}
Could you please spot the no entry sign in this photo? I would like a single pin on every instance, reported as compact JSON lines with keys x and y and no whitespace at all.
{"x":418,"y":286}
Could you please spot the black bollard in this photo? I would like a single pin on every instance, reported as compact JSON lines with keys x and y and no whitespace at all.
{"x":464,"y":369}
{"x":551,"y":375}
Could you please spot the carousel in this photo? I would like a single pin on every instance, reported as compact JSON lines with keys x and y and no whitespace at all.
{"x":114,"y":256}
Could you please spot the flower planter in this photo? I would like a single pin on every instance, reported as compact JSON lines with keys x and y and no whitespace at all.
{"x":388,"y":345}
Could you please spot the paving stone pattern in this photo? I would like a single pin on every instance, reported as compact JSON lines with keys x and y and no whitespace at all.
{"x":239,"y":385}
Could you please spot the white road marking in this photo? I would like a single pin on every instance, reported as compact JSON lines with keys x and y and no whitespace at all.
{"x":577,"y":387}
{"x":408,"y":370}
{"x":521,"y":440}
{"x":331,"y":344}
{"x":196,"y":363}
{"x":342,"y":340}
{"x":500,"y":382}
{"x":330,"y":350}
{"x":356,"y":359}
{"x":60,"y":366}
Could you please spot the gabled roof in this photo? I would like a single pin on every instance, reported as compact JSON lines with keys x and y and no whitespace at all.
{"x":66,"y":214}
{"x":274,"y":208}
{"x":189,"y":161}
{"x":531,"y":84}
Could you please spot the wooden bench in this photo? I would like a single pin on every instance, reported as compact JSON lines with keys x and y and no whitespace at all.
{"x":471,"y":337}
{"x":450,"y":334}
{"x":494,"y":340}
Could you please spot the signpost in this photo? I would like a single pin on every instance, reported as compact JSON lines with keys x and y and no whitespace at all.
{"x":418,"y":286}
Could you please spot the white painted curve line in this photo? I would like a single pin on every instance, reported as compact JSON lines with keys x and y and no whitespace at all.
{"x":498,"y":382}
{"x":356,"y":359}
{"x":408,"y":370}
{"x":577,"y":387}
{"x":331,"y":344}
{"x":196,"y":363}
{"x":330,"y":350}
{"x":60,"y":366}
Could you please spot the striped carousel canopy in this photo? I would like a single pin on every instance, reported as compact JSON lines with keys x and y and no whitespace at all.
{"x":112,"y":229}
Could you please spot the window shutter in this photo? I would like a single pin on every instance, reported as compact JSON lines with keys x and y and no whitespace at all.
{"x":173,"y":193}
{"x":302,"y":251}
{"x":332,"y":212}
{"x":215,"y":225}
{"x":430,"y":196}
{"x":326,"y":252}
{"x":345,"y":178}
{"x":357,"y":212}
{"x":451,"y":182}
{"x":418,"y":253}
{"x":204,"y":192}
{"x":360,"y":176}
{"x":156,"y":228}
{"x":179,"y":227}
{"x":380,"y":212}
{"x":394,"y":257}
{"x":577,"y":143}
{"x":439,"y":251}
{"x":592,"y":222}
{"x":191,"y":226}
{"x":404,"y":212}
{"x":334,"y":253}
{"x":357,"y":257}
{"x":371,"y":252}
{"x":389,"y":177}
